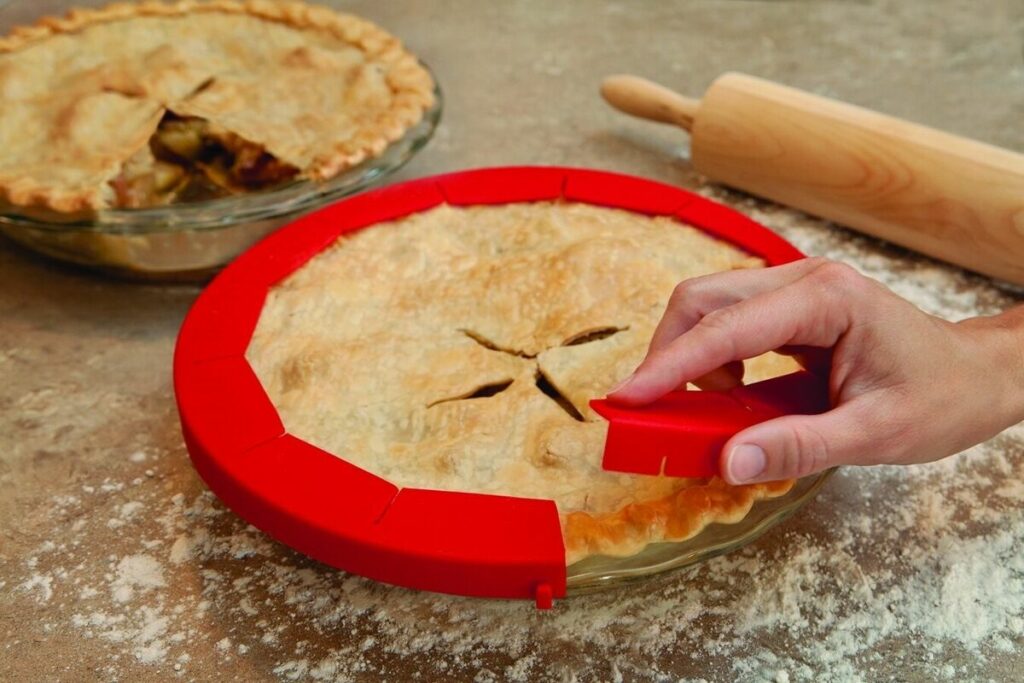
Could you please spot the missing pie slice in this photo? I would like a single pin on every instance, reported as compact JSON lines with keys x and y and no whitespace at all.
{"x":136,"y":105}
{"x":191,"y":159}
{"x":457,"y":348}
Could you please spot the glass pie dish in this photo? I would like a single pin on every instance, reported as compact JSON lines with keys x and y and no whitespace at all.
{"x":459,"y":538}
{"x":191,"y":241}
{"x":599,"y":572}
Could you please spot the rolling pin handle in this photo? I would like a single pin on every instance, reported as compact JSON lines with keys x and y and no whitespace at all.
{"x":648,"y":100}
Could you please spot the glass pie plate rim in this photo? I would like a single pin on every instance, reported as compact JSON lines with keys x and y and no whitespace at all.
{"x":124,"y":240}
{"x":599,"y":572}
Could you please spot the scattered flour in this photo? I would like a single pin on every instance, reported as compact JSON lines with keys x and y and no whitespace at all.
{"x":181,"y":549}
{"x":912,"y":574}
{"x":813,"y":601}
{"x":136,"y":573}
{"x":40,"y":585}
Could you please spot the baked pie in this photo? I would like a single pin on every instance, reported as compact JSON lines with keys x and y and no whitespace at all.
{"x":136,"y":105}
{"x":457,"y":349}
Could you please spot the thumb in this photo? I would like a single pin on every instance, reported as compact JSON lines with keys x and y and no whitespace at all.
{"x":793,"y":446}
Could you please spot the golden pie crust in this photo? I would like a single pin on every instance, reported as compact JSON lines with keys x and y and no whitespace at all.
{"x":80,"y":95}
{"x":457,"y":349}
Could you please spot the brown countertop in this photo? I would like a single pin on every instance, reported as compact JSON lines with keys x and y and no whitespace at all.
{"x":116,"y":564}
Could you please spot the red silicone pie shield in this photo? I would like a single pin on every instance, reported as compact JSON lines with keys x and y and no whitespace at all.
{"x":316,"y":502}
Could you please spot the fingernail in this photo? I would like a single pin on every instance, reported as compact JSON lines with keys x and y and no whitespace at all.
{"x":622,"y":385}
{"x":746,"y":462}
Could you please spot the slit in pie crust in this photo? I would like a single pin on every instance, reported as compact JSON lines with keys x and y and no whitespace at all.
{"x":282,"y":90}
{"x":457,"y":349}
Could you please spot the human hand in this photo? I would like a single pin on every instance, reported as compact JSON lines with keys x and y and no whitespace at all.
{"x":906,"y":387}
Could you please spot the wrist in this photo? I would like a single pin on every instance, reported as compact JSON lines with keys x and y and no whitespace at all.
{"x":1003,"y":339}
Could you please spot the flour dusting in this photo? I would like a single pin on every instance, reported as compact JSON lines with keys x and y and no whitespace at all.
{"x":921,"y":569}
{"x":135,"y":573}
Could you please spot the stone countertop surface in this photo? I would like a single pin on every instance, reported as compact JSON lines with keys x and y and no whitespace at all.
{"x":117,"y":564}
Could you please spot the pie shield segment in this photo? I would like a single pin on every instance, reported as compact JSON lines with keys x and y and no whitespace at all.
{"x":682,"y":433}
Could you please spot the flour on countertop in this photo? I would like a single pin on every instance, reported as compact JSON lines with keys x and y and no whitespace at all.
{"x":135,"y":573}
{"x":924,"y":567}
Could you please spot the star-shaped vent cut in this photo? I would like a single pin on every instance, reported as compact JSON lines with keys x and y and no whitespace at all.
{"x":543,"y":383}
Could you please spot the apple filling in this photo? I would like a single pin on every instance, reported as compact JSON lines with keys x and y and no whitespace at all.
{"x":191,"y":159}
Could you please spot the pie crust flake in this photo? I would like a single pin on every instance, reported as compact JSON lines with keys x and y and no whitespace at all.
{"x":457,"y":349}
{"x":151,"y":103}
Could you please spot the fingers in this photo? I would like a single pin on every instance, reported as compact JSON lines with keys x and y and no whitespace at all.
{"x":693,"y":299}
{"x":806,"y":312}
{"x":795,"y":446}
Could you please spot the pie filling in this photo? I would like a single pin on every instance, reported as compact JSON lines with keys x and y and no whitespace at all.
{"x":458,"y":349}
{"x":189,"y":159}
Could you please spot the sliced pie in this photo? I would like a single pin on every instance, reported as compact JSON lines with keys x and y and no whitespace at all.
{"x":146,"y":104}
{"x":457,"y":349}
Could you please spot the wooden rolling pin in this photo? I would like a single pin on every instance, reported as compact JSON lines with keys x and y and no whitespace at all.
{"x":946,"y":196}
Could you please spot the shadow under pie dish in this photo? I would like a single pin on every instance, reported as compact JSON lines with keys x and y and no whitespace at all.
{"x":194,"y":118}
{"x":442,"y":339}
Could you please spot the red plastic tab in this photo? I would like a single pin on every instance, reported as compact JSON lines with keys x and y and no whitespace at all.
{"x":625,"y":192}
{"x":544,"y":596}
{"x":503,"y":185}
{"x":471,"y":544}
